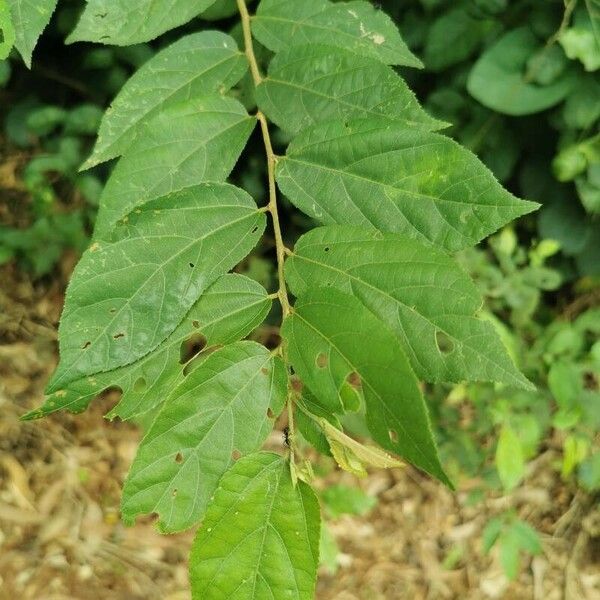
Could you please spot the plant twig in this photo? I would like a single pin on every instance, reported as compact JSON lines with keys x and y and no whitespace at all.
{"x":280,"y":247}
{"x":272,"y":206}
{"x":249,"y":47}
{"x":271,"y":161}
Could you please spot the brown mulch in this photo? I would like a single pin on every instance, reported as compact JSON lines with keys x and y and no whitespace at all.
{"x":60,"y":481}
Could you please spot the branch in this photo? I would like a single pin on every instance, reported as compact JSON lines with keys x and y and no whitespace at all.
{"x":280,"y":248}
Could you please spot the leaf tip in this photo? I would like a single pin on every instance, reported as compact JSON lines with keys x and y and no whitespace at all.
{"x":530,"y":206}
{"x":415,"y":62}
{"x":88,"y":164}
{"x":526,"y":384}
{"x":32,"y":415}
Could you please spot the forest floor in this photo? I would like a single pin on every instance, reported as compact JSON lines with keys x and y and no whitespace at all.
{"x":61,"y":535}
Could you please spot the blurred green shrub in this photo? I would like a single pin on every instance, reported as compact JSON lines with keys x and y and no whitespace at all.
{"x":519,"y":81}
{"x":55,"y":141}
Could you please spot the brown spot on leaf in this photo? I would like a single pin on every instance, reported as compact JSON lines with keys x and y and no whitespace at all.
{"x":296,"y":384}
{"x":354,"y":380}
{"x":191,"y":347}
{"x":322,"y":360}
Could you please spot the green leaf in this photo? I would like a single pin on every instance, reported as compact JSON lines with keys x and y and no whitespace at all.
{"x":45,"y":119}
{"x":582,"y":107}
{"x":30,"y":18}
{"x":316,"y":83}
{"x":381,"y":175}
{"x":326,"y":337}
{"x":547,"y":65}
{"x":307,"y":422}
{"x":569,"y":163}
{"x":510,"y":461}
{"x":452,"y":38}
{"x":7,"y":31}
{"x":260,"y":537}
{"x":221,"y":9}
{"x":195,"y":65}
{"x":347,"y":460}
{"x":490,"y":533}
{"x":345,"y":500}
{"x":184,"y":145}
{"x":589,"y":194}
{"x":565,"y":383}
{"x":499,"y":79}
{"x":528,"y":537}
{"x":588,"y":262}
{"x":223,"y":410}
{"x":418,"y":291}
{"x":575,"y":450}
{"x":593,"y":8}
{"x":353,"y":456}
{"x":122,"y":22}
{"x":589,"y":473}
{"x":354,"y":26}
{"x":580,"y":41}
{"x":509,"y":554}
{"x":128,"y":295}
{"x":229,"y":309}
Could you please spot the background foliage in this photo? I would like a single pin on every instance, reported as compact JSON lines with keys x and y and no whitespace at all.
{"x":519,"y":83}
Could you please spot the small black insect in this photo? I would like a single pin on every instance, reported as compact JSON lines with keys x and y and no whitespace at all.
{"x":286,"y":436}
